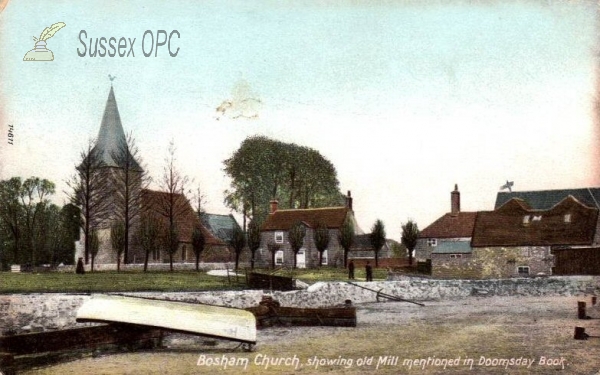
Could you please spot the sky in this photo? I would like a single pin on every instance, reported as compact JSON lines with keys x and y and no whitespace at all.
{"x":405,"y":98}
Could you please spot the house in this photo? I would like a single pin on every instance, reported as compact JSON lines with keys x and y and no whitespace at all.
{"x":449,"y":235}
{"x":154,"y":208}
{"x":517,"y":240}
{"x":275,"y":232}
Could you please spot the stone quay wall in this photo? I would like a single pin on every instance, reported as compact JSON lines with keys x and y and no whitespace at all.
{"x":20,"y":313}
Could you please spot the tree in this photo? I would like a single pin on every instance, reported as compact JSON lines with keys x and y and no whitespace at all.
{"x":198,"y":244}
{"x":238,"y":241}
{"x":346,"y":237}
{"x":91,"y":191}
{"x":296,"y":239}
{"x":253,"y":240}
{"x":410,"y":235}
{"x":263,"y":169}
{"x":33,"y":196}
{"x":11,"y":213}
{"x":172,"y":204}
{"x":273,"y":249}
{"x":118,"y":240}
{"x":321,"y":237}
{"x":130,"y":178}
{"x":94,"y":245}
{"x":377,"y":238}
{"x":148,"y":237}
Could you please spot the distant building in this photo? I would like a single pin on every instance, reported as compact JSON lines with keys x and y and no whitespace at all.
{"x":221,"y":226}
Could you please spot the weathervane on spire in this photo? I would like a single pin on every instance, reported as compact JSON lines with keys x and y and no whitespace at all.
{"x":112,"y":78}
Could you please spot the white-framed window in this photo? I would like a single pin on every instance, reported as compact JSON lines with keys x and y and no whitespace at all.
{"x":523,"y":270}
{"x":536,"y":218}
{"x":279,"y":237}
{"x":525,"y":219}
{"x":455,"y":255}
{"x":567,"y":218}
{"x":279,"y":258}
{"x":324,"y":258}
{"x":432,"y":242}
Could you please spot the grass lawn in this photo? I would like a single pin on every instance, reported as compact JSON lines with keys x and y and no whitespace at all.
{"x":135,"y":281}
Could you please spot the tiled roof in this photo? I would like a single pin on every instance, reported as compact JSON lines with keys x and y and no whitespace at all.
{"x":513,"y":224}
{"x":451,"y":226}
{"x":546,"y":199}
{"x":220,"y":225}
{"x":452,"y":247}
{"x":186,"y":220}
{"x":111,"y":134}
{"x":332,"y":217}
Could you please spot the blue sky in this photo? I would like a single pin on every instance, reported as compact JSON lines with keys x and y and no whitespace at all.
{"x":405,"y":98}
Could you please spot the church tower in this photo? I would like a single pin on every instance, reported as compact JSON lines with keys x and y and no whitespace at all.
{"x":121,"y":175}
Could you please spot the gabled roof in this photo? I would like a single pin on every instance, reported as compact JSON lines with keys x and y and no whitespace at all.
{"x":451,"y":226}
{"x":332,"y":217}
{"x":186,"y":218}
{"x":514,"y":224}
{"x":111,"y":136}
{"x":546,"y":199}
{"x":363,"y":242}
{"x":220,"y":225}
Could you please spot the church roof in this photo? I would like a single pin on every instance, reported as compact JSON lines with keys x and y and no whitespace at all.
{"x":111,"y":135}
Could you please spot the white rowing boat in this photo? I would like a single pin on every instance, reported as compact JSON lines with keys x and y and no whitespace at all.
{"x":206,"y":320}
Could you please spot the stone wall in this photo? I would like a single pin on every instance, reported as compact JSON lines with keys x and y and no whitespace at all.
{"x":37,"y":312}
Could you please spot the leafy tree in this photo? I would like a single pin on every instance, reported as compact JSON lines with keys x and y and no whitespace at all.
{"x":253,"y":240}
{"x":346,"y":237}
{"x":129,"y":181}
{"x":238,"y":241}
{"x":410,"y":235}
{"x":91,"y":190}
{"x":198,"y":244}
{"x":296,"y":239}
{"x":262,"y":169}
{"x":118,"y":240}
{"x":171,"y":239}
{"x":33,"y":196}
{"x":148,"y":237}
{"x":273,"y":249}
{"x":377,"y":238}
{"x":11,"y":213}
{"x":321,"y":237}
{"x":94,"y":245}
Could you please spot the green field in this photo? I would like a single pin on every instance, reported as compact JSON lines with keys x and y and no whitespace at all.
{"x":136,"y":281}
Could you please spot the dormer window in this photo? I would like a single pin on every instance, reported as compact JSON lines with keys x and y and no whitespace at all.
{"x":278,"y":237}
{"x":526,"y":219}
{"x":567,"y":218}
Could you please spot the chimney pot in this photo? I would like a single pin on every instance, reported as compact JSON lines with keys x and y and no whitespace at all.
{"x":274,"y":205}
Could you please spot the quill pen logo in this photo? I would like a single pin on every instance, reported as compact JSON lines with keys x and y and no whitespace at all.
{"x":40,"y":52}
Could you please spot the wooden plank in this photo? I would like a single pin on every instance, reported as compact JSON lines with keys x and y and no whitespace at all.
{"x":76,"y":338}
{"x":264,"y":281}
{"x":206,"y":320}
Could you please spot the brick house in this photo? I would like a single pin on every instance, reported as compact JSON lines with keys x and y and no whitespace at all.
{"x":449,"y":235}
{"x":278,"y":223}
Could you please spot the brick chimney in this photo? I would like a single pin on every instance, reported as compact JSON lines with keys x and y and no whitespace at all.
{"x":349,"y":200}
{"x":455,"y":201}
{"x":274,"y":204}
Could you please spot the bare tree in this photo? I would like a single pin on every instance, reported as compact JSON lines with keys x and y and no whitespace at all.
{"x":94,"y":245}
{"x":200,"y":201}
{"x":346,"y":237}
{"x":238,"y":241}
{"x":172,"y":204}
{"x":130,"y":178}
{"x":91,"y":192}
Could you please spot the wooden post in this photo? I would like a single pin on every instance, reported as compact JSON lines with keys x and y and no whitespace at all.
{"x":581,"y":310}
{"x":580,"y":334}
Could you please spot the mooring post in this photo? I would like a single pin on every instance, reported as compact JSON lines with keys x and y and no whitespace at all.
{"x":580,"y":334}
{"x":581,"y":310}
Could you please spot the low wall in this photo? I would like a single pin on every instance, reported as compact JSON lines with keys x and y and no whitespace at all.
{"x":188,"y":266}
{"x":37,"y":312}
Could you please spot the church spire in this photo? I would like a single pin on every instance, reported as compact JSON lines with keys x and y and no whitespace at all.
{"x":111,"y":135}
